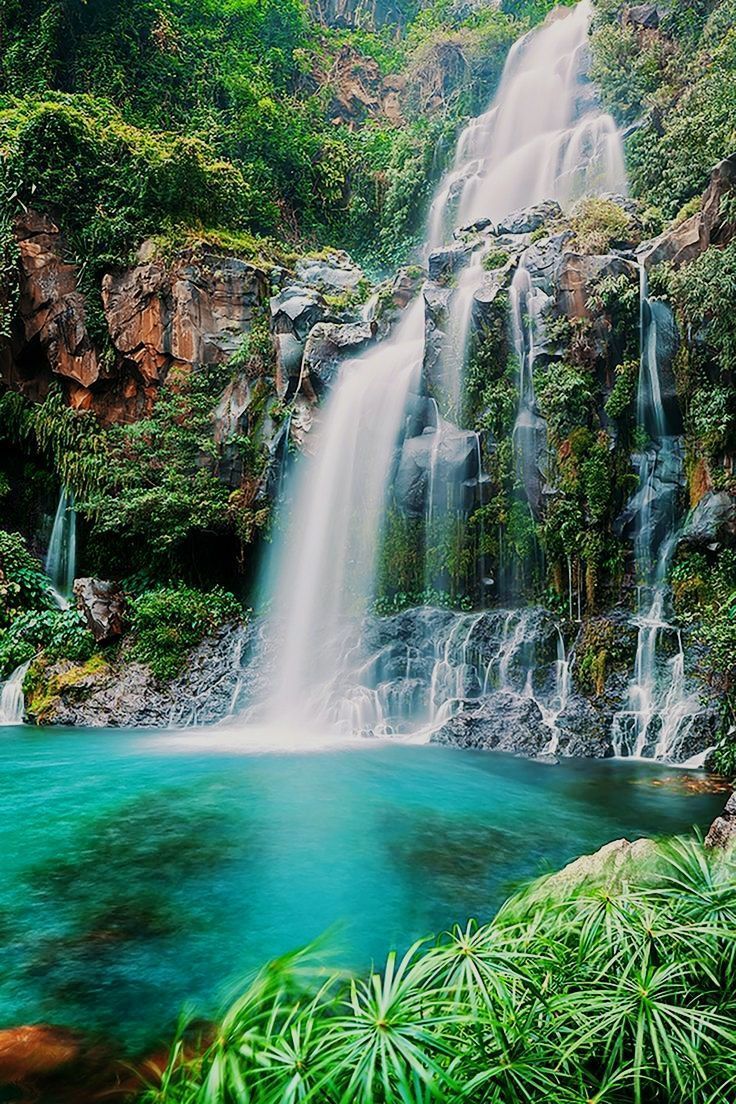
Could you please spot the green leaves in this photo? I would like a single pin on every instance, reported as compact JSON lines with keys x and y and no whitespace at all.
{"x":170,"y":621}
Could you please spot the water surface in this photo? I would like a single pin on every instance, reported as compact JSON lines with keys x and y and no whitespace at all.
{"x":142,"y":870}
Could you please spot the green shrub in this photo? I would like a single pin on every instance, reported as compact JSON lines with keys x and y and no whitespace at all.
{"x":167,"y":623}
{"x":599,"y":224}
{"x":23,"y":585}
{"x":59,"y":634}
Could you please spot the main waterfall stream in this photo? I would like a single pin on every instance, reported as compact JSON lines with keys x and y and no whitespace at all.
{"x":543,"y":138}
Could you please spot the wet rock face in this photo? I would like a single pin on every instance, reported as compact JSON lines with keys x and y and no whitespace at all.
{"x":329,"y":345}
{"x":102,"y":605}
{"x":503,"y":721}
{"x":51,"y":308}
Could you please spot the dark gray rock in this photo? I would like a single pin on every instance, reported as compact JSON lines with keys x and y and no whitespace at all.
{"x":443,"y":262}
{"x":296,"y":309}
{"x":646,"y":16}
{"x":102,"y":604}
{"x":713,"y":521}
{"x":329,"y":344}
{"x":503,"y":721}
{"x":447,"y":458}
{"x":528,"y":219}
{"x":125,"y":694}
{"x":332,"y":272}
{"x":584,"y":728}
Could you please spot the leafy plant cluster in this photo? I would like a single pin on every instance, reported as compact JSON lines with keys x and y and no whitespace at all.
{"x":59,"y":634}
{"x":162,"y":115}
{"x":23,"y":585}
{"x":678,"y":82}
{"x":169,"y":621}
{"x":614,"y":992}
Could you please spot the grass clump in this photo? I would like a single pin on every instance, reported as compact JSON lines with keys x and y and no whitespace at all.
{"x":619,"y":990}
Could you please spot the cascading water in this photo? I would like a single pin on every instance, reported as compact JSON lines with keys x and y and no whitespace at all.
{"x":12,"y":703}
{"x":660,"y":710}
{"x":325,"y":572}
{"x":62,"y":552}
{"x":543,"y":138}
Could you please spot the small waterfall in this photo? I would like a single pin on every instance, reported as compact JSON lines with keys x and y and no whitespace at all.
{"x":12,"y":702}
{"x":660,"y":709}
{"x":543,"y":137}
{"x":62,"y":552}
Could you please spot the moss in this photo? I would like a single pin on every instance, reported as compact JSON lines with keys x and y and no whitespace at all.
{"x":43,"y":690}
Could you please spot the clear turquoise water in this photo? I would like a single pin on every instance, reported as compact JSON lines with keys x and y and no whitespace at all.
{"x":143,"y":871}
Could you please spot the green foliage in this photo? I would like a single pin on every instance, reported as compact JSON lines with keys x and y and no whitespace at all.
{"x":167,"y":623}
{"x":679,"y":82}
{"x":23,"y":585}
{"x":599,"y":224}
{"x":495,"y":258}
{"x":59,"y":634}
{"x":621,"y":399}
{"x":617,"y":990}
{"x":701,"y":289}
{"x":564,"y":396}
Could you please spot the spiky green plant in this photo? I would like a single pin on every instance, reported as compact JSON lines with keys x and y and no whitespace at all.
{"x":620,"y":990}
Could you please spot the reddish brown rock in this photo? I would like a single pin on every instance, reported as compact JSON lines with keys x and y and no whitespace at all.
{"x":51,"y":307}
{"x":102,"y":604}
{"x":194,"y":312}
{"x":577,"y":274}
{"x":34,"y":1051}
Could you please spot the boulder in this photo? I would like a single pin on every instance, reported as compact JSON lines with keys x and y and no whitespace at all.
{"x":295,"y":309}
{"x":503,"y":721}
{"x":332,"y":272}
{"x":713,"y":521}
{"x":289,"y":356}
{"x":722,"y":833}
{"x":329,"y":344}
{"x":610,"y":867}
{"x":102,"y":604}
{"x":528,"y":219}
{"x":445,"y":261}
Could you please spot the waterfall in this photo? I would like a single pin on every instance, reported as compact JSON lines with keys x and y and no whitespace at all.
{"x":543,"y":137}
{"x":62,"y":551}
{"x":660,"y":710}
{"x":324,"y":573}
{"x":12,"y":703}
